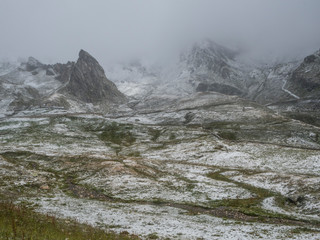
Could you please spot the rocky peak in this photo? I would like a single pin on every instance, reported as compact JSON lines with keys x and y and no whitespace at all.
{"x":305,"y":80}
{"x":209,"y":55}
{"x":313,"y":58}
{"x":212,"y":68}
{"x":83,"y":55}
{"x":89,"y":83}
{"x":32,"y":64}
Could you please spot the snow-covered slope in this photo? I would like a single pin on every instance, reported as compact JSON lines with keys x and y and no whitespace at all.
{"x":203,"y":67}
{"x":269,"y":84}
{"x":133,"y":79}
{"x":186,"y":158}
{"x":211,"y":67}
{"x":207,"y":66}
{"x":21,"y":89}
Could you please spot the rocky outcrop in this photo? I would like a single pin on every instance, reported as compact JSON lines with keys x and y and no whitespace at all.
{"x":269,"y":84}
{"x":305,"y":80}
{"x":63,"y":71}
{"x":34,"y":85}
{"x":89,"y":83}
{"x":32,"y":64}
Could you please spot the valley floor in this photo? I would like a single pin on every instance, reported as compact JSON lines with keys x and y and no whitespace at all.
{"x":167,"y":181}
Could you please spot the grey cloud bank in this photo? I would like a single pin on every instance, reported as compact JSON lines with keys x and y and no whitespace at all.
{"x":54,"y":31}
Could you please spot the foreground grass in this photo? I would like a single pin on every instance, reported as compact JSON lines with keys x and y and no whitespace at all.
{"x":18,"y":222}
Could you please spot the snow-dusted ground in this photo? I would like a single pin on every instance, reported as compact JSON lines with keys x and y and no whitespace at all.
{"x":165,"y":222}
{"x":270,"y":205}
{"x":199,"y":150}
{"x":173,"y":167}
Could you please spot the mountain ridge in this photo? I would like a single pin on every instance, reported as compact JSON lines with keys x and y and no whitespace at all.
{"x":204,"y":67}
{"x":72,"y":85}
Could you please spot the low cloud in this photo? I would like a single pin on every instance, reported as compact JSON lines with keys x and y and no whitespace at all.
{"x":54,"y":31}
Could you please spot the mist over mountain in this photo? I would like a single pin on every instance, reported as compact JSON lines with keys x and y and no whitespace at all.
{"x":117,"y":30}
{"x":181,"y":119}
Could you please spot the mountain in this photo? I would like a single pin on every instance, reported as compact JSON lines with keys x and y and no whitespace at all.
{"x":207,"y":66}
{"x":211,"y":67}
{"x":23,"y":86}
{"x":305,"y":80}
{"x":229,"y":149}
{"x":290,"y":88}
{"x":89,"y":83}
{"x":302,"y":82}
{"x":204,"y":67}
{"x":270,"y":83}
{"x":71,"y":86}
{"x":133,"y":78}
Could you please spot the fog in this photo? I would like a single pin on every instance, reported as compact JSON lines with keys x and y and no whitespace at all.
{"x":55,"y":31}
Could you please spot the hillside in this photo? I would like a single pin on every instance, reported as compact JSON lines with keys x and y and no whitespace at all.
{"x":201,"y":157}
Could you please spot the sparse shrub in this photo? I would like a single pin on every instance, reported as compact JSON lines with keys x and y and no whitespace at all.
{"x":153,"y":236}
{"x":172,"y":136}
{"x":33,"y":127}
{"x":134,"y":154}
{"x":228,"y":135}
{"x":155,"y":134}
{"x":117,"y":134}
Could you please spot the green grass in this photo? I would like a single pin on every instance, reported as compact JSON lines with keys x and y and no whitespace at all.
{"x":134,"y":154}
{"x":155,"y":134}
{"x":228,"y":135}
{"x":118,"y":134}
{"x":172,"y":136}
{"x":18,"y":222}
{"x":153,"y":236}
{"x":226,"y":130}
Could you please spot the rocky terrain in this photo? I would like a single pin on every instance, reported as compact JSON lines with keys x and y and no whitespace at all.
{"x":211,"y":150}
{"x":89,"y":83}
{"x":71,"y":86}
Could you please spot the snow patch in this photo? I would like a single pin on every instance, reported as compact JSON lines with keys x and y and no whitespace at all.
{"x":166,"y":222}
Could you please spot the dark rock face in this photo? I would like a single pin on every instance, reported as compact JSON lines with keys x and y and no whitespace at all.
{"x":33,"y":64}
{"x":89,"y":83}
{"x":310,"y":59}
{"x":63,"y":71}
{"x":306,"y":78}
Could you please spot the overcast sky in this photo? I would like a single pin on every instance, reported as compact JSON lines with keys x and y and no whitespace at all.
{"x":55,"y":30}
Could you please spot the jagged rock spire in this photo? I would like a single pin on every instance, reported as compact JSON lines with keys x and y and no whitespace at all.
{"x":89,"y":83}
